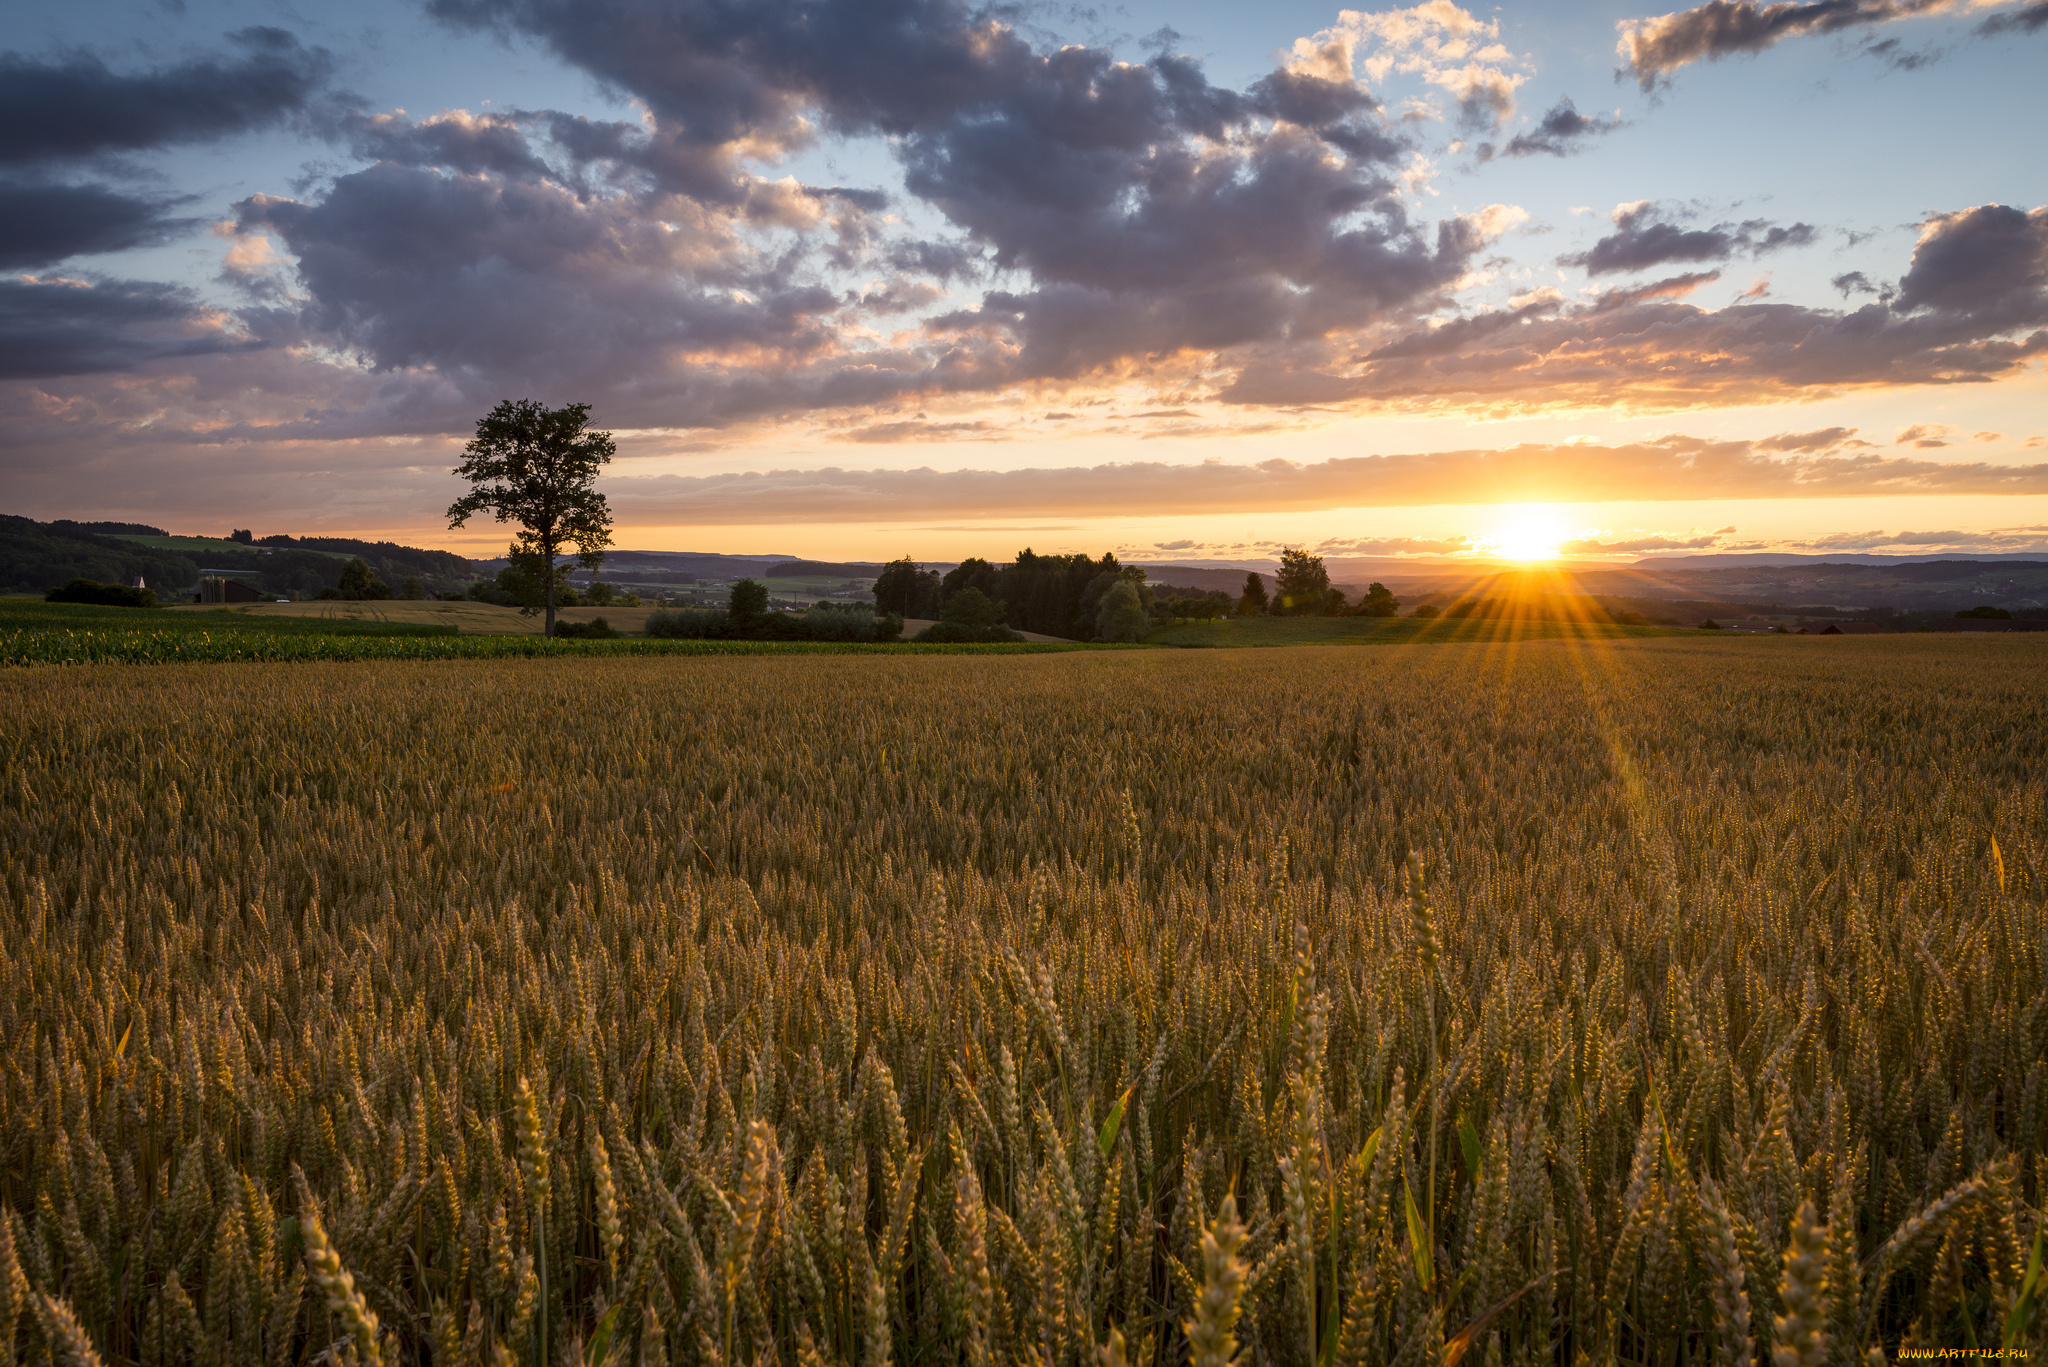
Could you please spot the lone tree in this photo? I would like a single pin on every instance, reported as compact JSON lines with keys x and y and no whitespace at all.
{"x":534,"y":466}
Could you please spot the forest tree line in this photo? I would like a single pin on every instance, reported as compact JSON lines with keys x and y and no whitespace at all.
{"x":1067,"y":595}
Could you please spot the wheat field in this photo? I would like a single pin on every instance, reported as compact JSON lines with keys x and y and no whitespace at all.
{"x":1669,"y":1003}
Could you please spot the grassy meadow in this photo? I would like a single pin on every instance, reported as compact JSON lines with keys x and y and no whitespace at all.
{"x":34,"y":633}
{"x":1059,"y":1008}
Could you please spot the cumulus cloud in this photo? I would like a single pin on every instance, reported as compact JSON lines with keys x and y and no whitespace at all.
{"x":1559,"y":133}
{"x":1447,"y":46}
{"x":1146,"y":219}
{"x":1979,"y":260}
{"x":76,"y":107}
{"x":1644,"y":237}
{"x":1922,"y":434}
{"x":1651,"y":49}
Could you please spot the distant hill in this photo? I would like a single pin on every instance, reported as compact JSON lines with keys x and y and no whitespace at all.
{"x":833,"y":569}
{"x":1907,"y":584}
{"x":669,"y":566}
{"x":35,"y":556}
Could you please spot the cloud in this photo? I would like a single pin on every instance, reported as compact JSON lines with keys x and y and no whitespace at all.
{"x":1642,"y":239}
{"x":896,"y":433}
{"x":1651,"y":49}
{"x":1956,"y":327}
{"x":1922,"y":434}
{"x":1146,"y":220}
{"x":1447,"y":46}
{"x":493,"y":281}
{"x":458,"y":140}
{"x":1638,"y":545}
{"x":42,"y":223}
{"x":2028,"y":18}
{"x":1672,"y":287}
{"x":1978,"y":260}
{"x":76,"y":107}
{"x":1999,"y":540}
{"x":1825,"y":439}
{"x":1559,"y":133}
{"x":56,"y":326}
{"x":1673,"y":468}
{"x":1853,"y":282}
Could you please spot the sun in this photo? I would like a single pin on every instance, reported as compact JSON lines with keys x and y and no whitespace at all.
{"x":1527,"y":532}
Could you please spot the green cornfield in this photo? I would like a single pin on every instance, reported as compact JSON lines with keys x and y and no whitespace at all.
{"x":1654,"y":1002}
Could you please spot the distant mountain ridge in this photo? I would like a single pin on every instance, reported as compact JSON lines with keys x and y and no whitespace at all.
{"x":1775,"y":558}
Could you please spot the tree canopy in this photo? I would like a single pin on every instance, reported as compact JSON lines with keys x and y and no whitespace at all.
{"x":536,"y":466}
{"x":1303,"y":584}
{"x":907,"y":591}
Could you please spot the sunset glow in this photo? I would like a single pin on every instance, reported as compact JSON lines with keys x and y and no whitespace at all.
{"x":1279,"y":274}
{"x":1528,"y":533}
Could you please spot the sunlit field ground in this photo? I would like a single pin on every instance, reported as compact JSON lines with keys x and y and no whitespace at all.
{"x":1295,"y":631}
{"x":859,"y":1009}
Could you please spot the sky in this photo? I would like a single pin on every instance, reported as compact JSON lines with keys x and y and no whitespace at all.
{"x":1186,"y":281}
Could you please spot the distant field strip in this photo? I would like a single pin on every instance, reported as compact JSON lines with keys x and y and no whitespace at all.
{"x":1075,"y":1009}
{"x":174,"y":647}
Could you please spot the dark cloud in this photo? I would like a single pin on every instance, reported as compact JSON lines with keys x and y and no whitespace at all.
{"x":1642,"y":239}
{"x":460,"y":141}
{"x":495,"y":282}
{"x":76,"y":107}
{"x":51,"y":327}
{"x":1154,"y":212}
{"x":1155,"y":219}
{"x":42,"y":223}
{"x":2028,"y":18}
{"x":1853,"y":282}
{"x":1978,"y":311}
{"x":1559,"y":133}
{"x":1983,"y":260}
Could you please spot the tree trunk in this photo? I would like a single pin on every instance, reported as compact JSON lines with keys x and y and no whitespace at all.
{"x":548,"y":569}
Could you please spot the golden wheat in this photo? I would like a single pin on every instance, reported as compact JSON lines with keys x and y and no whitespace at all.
{"x":1053,"y":1009}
